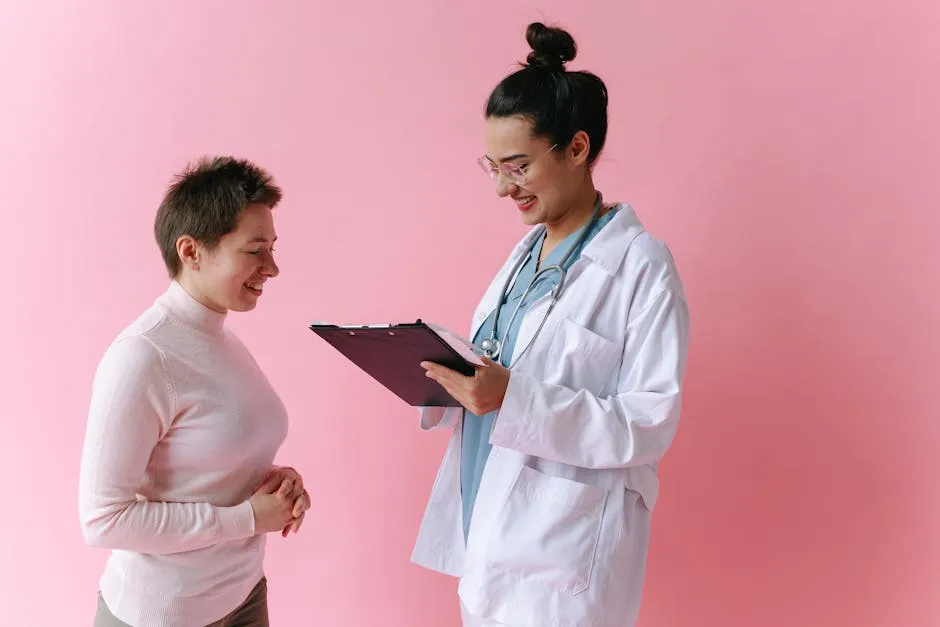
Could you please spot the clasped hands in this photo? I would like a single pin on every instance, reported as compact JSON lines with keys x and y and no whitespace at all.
{"x":280,"y":501}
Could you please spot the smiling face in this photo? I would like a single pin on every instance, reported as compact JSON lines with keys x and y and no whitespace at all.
{"x":231,"y":275}
{"x":552,"y":176}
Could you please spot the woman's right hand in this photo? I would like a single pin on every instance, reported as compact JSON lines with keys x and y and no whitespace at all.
{"x":273,"y":511}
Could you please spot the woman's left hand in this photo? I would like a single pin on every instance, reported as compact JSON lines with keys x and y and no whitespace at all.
{"x":480,"y":394}
{"x":288,"y":484}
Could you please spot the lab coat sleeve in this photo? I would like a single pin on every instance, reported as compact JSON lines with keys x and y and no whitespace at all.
{"x":131,"y":409}
{"x":437,"y":417}
{"x":634,"y":427}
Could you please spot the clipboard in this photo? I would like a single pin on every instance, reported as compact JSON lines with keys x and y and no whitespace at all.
{"x":392,"y":353}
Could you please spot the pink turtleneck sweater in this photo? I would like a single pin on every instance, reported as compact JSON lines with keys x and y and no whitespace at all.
{"x":181,"y":427}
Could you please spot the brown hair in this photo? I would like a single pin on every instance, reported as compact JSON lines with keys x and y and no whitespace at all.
{"x":205,"y":200}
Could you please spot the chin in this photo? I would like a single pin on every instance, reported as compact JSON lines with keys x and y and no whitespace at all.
{"x":532,"y":219}
{"x":241,"y":304}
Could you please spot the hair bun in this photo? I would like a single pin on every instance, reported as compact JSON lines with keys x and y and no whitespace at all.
{"x":551,"y":47}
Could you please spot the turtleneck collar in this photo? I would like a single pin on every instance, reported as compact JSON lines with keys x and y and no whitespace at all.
{"x":190,"y":311}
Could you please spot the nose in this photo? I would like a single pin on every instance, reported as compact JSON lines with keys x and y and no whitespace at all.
{"x":505,"y":186}
{"x":270,"y":269}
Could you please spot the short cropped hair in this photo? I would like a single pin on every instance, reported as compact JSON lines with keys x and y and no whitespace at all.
{"x":205,"y":200}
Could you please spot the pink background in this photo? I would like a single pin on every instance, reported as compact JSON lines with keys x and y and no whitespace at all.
{"x":787,"y":151}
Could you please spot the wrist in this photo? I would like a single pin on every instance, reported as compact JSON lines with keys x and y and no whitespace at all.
{"x":237,"y":522}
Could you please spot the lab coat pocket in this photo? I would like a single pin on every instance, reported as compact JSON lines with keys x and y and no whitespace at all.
{"x":579,"y":358}
{"x":548,"y":530}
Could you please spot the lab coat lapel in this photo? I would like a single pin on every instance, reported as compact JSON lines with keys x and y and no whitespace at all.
{"x":606,"y":250}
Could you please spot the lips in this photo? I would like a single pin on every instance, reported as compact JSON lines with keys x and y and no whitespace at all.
{"x":525,"y":202}
{"x":255,"y":287}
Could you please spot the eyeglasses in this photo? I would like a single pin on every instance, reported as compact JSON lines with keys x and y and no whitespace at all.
{"x":511,"y":171}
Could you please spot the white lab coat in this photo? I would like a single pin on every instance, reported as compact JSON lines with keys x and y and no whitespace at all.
{"x":560,"y":527}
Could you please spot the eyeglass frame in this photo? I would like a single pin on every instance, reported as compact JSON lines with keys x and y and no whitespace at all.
{"x":511,"y":171}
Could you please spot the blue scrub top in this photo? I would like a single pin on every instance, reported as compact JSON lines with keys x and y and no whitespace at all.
{"x":475,"y":443}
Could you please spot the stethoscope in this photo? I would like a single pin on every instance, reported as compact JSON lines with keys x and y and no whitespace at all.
{"x":492,"y":346}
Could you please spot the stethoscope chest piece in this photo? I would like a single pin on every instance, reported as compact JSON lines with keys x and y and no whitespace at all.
{"x":490,"y":347}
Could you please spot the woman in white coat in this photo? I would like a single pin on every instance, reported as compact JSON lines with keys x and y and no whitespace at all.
{"x":542,"y":502}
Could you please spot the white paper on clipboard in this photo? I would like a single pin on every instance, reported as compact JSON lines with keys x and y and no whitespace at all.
{"x":459,"y":344}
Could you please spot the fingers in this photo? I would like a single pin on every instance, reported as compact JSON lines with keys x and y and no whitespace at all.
{"x":437,"y":371}
{"x":455,"y":388}
{"x":287,"y":486}
{"x":269,"y":485}
{"x":292,"y":475}
{"x":293,"y":527}
{"x":443,"y":376}
{"x":298,"y":486}
{"x":448,"y":386}
{"x":302,"y":504}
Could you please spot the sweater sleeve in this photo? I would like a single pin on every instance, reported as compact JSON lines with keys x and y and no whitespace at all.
{"x":132,"y":408}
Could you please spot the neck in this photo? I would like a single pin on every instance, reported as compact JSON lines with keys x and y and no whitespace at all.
{"x":577,"y":216}
{"x":187,"y":283}
{"x":187,"y":308}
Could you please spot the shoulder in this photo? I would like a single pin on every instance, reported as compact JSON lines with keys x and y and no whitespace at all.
{"x":131,"y":354}
{"x":133,"y":381}
{"x":136,"y":349}
{"x":651,"y":259}
{"x":650,"y":270}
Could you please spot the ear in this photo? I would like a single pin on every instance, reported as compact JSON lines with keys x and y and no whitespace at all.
{"x":579,"y":148}
{"x":189,"y":252}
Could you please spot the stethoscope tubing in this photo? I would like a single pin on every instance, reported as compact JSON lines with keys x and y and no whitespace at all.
{"x":492,"y":346}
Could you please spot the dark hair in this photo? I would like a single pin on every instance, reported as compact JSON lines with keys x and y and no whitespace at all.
{"x":205,"y":200}
{"x":559,"y":103}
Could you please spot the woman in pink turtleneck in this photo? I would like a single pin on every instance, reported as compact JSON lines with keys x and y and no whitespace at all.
{"x":177,"y":474}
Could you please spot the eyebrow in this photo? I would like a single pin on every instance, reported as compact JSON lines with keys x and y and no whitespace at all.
{"x":262,"y":240}
{"x":509,"y":158}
